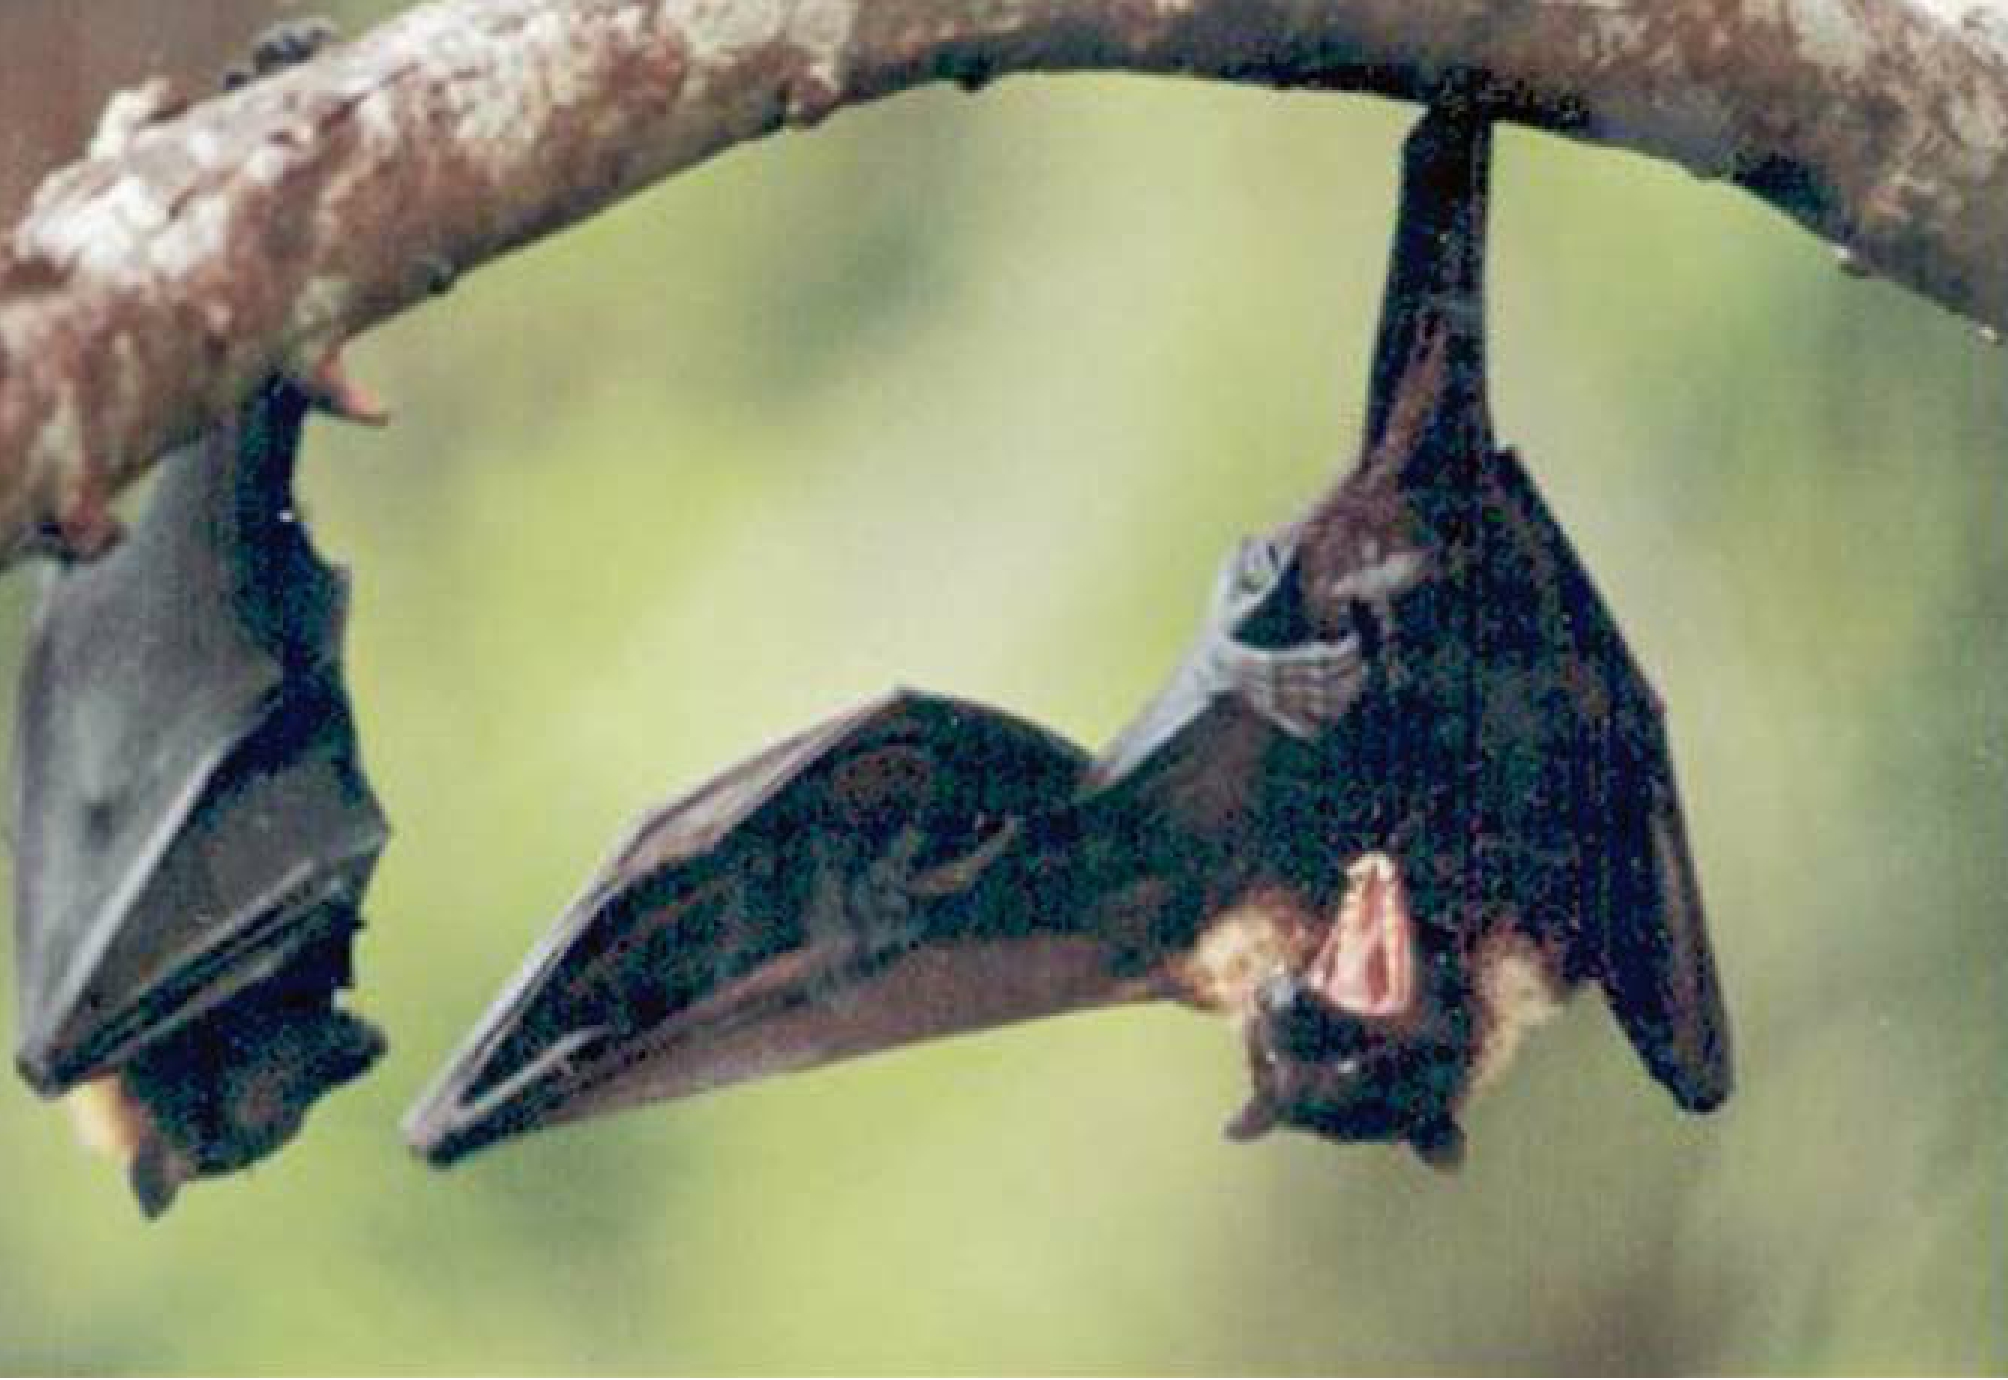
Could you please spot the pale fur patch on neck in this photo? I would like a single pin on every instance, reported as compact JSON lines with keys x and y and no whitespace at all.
{"x":106,"y":1118}
{"x":1517,"y":993}
{"x":1248,"y":943}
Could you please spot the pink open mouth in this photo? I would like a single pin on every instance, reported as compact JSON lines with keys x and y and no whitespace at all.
{"x":1366,"y":966}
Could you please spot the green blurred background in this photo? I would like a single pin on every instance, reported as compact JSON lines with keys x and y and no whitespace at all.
{"x":971,"y":394}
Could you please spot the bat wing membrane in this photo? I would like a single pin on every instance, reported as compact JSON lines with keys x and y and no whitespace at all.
{"x":811,"y":904}
{"x":1657,"y":966}
{"x":1645,"y":935}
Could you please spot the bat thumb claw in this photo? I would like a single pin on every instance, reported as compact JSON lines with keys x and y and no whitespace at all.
{"x":329,"y":389}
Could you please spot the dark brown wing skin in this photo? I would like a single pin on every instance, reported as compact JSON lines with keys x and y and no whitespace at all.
{"x":1657,"y":966}
{"x":857,"y":887}
{"x":1641,"y":931}
{"x":193,"y":827}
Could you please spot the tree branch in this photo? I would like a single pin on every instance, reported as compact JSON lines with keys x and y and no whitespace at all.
{"x":149,"y":285}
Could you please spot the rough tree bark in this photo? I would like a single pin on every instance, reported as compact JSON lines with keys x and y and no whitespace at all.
{"x":147,"y":286}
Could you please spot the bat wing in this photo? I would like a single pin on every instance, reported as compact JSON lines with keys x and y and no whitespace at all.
{"x":843,"y":892}
{"x":1645,"y":936}
{"x":1657,"y":967}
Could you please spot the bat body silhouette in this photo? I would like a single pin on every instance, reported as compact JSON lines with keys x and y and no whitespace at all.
{"x":1407,"y":792}
{"x":1411,"y":770}
{"x":193,"y":828}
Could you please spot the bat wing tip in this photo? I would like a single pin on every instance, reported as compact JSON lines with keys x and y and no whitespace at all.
{"x":441,"y":1132}
{"x":36,"y":1065}
{"x":1702,"y":1086}
{"x":1686,"y":1054}
{"x":463,"y":1111}
{"x":428,"y":1144}
{"x":426,"y":1127}
{"x":424,"y":1133}
{"x":55,"y":1063}
{"x":1701,"y":1104}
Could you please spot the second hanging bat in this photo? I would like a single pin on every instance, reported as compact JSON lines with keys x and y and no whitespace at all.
{"x":193,"y":827}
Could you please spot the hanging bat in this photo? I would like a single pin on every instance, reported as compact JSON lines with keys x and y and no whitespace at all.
{"x":193,"y":829}
{"x":1430,"y":788}
{"x":1407,"y":791}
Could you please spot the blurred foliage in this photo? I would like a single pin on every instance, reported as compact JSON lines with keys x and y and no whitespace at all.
{"x":971,"y":394}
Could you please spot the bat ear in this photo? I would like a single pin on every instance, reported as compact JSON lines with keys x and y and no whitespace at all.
{"x":1657,"y":967}
{"x":1439,"y":1144}
{"x":1254,"y":1121}
{"x":156,"y":1175}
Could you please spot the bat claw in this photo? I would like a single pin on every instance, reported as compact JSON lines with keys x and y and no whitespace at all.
{"x":329,"y":388}
{"x":287,"y":43}
{"x":1302,"y":689}
{"x":84,"y":528}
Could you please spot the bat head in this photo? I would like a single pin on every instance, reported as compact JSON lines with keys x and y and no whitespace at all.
{"x":224,"y":1090}
{"x":263,"y":1064}
{"x":1390,"y":1024}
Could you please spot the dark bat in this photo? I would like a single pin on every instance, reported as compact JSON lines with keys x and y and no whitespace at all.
{"x":1406,"y":792}
{"x":815,"y":902}
{"x":1428,"y":789}
{"x":193,"y":829}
